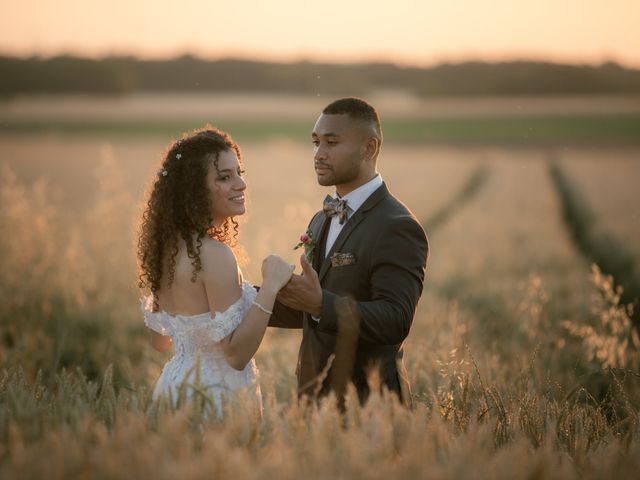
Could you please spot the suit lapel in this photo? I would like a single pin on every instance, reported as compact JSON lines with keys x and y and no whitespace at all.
{"x":318,"y":226}
{"x":350,"y":226}
{"x":342,"y":237}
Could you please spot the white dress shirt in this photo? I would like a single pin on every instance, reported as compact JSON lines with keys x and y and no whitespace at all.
{"x":354,"y":199}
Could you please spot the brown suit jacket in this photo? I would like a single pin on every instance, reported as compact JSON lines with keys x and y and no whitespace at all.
{"x":382,"y":273}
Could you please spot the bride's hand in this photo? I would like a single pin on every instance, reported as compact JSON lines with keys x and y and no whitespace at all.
{"x":276,"y":272}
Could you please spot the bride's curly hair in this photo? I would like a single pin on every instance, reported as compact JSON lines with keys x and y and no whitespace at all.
{"x":178,"y":206}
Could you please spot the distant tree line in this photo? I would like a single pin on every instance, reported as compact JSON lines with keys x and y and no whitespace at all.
{"x":120,"y":75}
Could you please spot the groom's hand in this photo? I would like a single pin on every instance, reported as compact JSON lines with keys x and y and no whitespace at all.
{"x":303,"y":292}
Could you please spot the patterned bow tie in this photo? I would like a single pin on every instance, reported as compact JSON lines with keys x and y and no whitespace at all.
{"x":333,"y":206}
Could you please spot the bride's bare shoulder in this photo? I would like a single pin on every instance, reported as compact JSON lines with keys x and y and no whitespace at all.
{"x":217,"y":258}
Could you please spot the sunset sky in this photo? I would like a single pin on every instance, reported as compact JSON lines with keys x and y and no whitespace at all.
{"x":402,"y":31}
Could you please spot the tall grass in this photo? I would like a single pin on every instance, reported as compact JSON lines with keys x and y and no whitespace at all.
{"x":76,"y":373}
{"x":66,"y":295}
{"x":598,"y":245}
{"x":469,"y":428}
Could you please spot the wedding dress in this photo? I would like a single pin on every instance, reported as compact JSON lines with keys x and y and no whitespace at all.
{"x":199,"y":363}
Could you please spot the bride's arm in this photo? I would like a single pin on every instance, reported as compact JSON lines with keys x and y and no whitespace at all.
{"x":223,"y":287}
{"x":160,"y":342}
{"x":157,"y":329}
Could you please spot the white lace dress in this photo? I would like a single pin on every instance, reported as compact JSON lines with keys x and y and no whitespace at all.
{"x":196,"y":340}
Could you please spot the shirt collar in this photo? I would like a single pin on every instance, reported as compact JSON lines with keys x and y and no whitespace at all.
{"x":357,"y":197}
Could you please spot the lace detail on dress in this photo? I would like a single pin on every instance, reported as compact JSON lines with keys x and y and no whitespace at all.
{"x":156,"y":321}
{"x":223,"y":323}
{"x":216,"y":326}
{"x":199,"y":364}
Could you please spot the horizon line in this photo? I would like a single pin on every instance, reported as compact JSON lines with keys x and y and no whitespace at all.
{"x":293,"y":59}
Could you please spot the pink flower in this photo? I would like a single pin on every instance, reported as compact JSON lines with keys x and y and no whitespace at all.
{"x":307,"y":241}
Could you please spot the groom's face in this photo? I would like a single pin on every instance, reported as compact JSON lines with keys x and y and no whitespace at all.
{"x":338,"y":150}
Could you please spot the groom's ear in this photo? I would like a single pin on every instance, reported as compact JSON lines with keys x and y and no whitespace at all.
{"x":371,"y":148}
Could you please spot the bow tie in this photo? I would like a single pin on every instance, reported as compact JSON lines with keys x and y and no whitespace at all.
{"x":333,"y":206}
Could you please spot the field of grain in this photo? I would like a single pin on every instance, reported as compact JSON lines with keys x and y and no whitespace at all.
{"x":609,"y":179}
{"x":523,"y":362}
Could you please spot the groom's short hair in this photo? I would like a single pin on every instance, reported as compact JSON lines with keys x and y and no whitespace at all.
{"x":357,"y":109}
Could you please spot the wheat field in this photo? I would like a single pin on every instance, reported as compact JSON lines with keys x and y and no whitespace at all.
{"x":522,"y":359}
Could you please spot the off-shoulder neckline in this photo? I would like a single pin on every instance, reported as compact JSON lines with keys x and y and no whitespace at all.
{"x":147,"y":300}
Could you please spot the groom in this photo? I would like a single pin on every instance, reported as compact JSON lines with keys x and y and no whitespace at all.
{"x":356,"y":300}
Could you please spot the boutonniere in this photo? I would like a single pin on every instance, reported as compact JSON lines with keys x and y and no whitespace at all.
{"x":308,"y":241}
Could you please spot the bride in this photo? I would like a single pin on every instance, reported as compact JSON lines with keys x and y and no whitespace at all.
{"x":198,"y":301}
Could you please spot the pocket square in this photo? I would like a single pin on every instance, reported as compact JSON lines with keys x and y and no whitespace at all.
{"x":341,"y":259}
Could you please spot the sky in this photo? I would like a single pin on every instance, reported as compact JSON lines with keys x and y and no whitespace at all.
{"x":401,"y":31}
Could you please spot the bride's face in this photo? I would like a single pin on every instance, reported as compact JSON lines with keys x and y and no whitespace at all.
{"x":226,"y":187}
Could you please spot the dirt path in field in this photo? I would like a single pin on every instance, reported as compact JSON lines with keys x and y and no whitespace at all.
{"x":471,"y":187}
{"x":597,"y":245}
